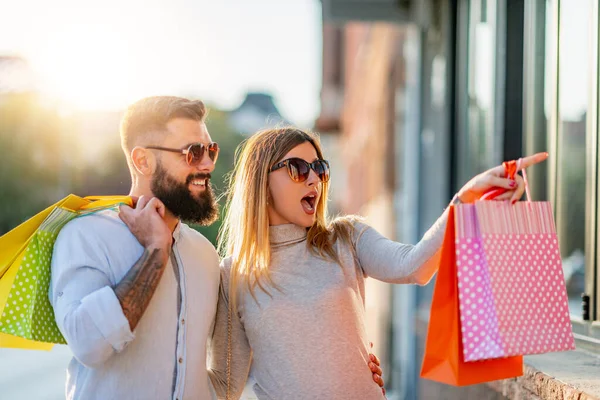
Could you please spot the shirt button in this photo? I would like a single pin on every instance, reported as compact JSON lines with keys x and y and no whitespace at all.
{"x":180,"y":360}
{"x":182,"y":321}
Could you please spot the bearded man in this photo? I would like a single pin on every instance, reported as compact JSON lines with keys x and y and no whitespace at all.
{"x":137,"y":308}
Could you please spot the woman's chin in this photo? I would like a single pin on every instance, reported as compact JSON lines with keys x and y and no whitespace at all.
{"x":308,"y":221}
{"x":305,"y":221}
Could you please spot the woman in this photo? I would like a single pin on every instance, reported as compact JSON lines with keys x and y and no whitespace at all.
{"x":293,"y":282}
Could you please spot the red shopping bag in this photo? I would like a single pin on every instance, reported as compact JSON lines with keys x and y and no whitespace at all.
{"x":443,"y":360}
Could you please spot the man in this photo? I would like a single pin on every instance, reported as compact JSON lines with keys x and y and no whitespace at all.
{"x":136,"y":302}
{"x":104,"y":280}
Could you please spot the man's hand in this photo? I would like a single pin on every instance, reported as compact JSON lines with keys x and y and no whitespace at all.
{"x":374,"y":365}
{"x":146,"y":222}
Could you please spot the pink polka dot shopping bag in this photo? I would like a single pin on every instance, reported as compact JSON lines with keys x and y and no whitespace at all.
{"x":501,"y":270}
{"x":512,"y":292}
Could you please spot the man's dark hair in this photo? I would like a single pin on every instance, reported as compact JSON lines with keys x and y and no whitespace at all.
{"x":151,"y":115}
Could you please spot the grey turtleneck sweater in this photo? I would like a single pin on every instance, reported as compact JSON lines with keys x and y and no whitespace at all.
{"x":309,"y":340}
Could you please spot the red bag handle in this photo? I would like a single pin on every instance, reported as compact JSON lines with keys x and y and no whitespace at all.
{"x":511,"y":168}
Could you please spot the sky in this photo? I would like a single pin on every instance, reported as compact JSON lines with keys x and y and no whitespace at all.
{"x":105,"y":55}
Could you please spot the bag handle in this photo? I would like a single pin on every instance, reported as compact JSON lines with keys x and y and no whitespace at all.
{"x":106,"y":201}
{"x":511,"y":168}
{"x":112,"y":197}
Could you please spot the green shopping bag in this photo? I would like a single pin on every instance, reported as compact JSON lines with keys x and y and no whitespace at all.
{"x":27,"y":318}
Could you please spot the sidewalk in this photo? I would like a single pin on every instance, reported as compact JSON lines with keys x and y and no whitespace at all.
{"x":33,"y":375}
{"x":40,"y":375}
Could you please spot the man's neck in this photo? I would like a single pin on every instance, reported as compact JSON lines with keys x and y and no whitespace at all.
{"x":169,"y":218}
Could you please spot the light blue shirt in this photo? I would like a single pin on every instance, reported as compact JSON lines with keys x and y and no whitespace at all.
{"x":165,"y":358}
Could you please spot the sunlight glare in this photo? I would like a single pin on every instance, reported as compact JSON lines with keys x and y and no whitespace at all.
{"x":84,"y":66}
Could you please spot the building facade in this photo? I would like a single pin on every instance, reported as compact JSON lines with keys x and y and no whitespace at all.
{"x":256,"y":112}
{"x":418,"y":97}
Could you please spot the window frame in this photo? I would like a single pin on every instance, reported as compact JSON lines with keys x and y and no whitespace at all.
{"x":587,"y":333}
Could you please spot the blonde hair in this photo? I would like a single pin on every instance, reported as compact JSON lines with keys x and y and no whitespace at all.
{"x":244,"y":234}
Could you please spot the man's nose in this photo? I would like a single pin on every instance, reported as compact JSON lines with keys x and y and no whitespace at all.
{"x":206,"y":164}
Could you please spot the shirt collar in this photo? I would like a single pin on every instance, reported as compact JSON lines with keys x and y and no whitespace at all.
{"x":177,"y":232}
{"x":287,"y":233}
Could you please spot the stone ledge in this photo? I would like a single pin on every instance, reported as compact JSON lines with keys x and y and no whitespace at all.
{"x":573,"y":375}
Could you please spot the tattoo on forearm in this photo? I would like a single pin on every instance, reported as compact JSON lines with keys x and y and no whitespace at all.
{"x":137,"y":287}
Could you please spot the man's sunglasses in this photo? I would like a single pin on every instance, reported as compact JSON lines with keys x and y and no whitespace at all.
{"x":299,"y":170}
{"x":194,"y":153}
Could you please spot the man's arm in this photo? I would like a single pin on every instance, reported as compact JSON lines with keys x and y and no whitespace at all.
{"x":137,"y":287}
{"x":94,"y":321}
{"x":86,"y":308}
{"x":95,"y":315}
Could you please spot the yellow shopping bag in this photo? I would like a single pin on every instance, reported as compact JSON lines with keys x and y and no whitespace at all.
{"x":26,"y":316}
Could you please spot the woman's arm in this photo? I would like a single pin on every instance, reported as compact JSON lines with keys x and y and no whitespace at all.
{"x":393,"y":262}
{"x":228,"y":336}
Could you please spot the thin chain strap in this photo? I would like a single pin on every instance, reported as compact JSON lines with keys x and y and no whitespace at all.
{"x":228,"y":394}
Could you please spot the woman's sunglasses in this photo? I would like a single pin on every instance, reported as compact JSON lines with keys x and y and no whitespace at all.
{"x":299,"y":170}
{"x":194,"y":153}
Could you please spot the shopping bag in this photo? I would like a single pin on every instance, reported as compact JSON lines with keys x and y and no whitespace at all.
{"x":26,"y":315}
{"x":513,"y":298}
{"x":443,"y":359}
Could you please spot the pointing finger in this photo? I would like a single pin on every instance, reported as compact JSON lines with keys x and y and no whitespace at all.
{"x":532,"y":160}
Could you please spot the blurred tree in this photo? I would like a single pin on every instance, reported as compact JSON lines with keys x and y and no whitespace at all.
{"x":109,"y":175}
{"x":30,"y":166}
{"x":222,"y":133}
{"x":42,"y":160}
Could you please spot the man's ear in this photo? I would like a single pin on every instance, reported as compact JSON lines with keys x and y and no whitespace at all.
{"x":143,"y":160}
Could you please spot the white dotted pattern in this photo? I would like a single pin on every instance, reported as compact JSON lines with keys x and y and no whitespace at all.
{"x":512,"y":296}
{"x":28,"y":312}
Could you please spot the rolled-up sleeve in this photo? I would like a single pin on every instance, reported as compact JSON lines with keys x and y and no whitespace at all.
{"x":86,"y":307}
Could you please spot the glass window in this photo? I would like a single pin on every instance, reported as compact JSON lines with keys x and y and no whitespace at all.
{"x":476,"y":89}
{"x":482,"y":59}
{"x":573,"y":86}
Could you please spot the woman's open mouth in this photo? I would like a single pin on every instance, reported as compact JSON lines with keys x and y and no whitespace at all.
{"x":308,"y":203}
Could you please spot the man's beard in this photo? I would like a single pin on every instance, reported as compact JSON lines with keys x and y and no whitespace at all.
{"x":179,"y":200}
